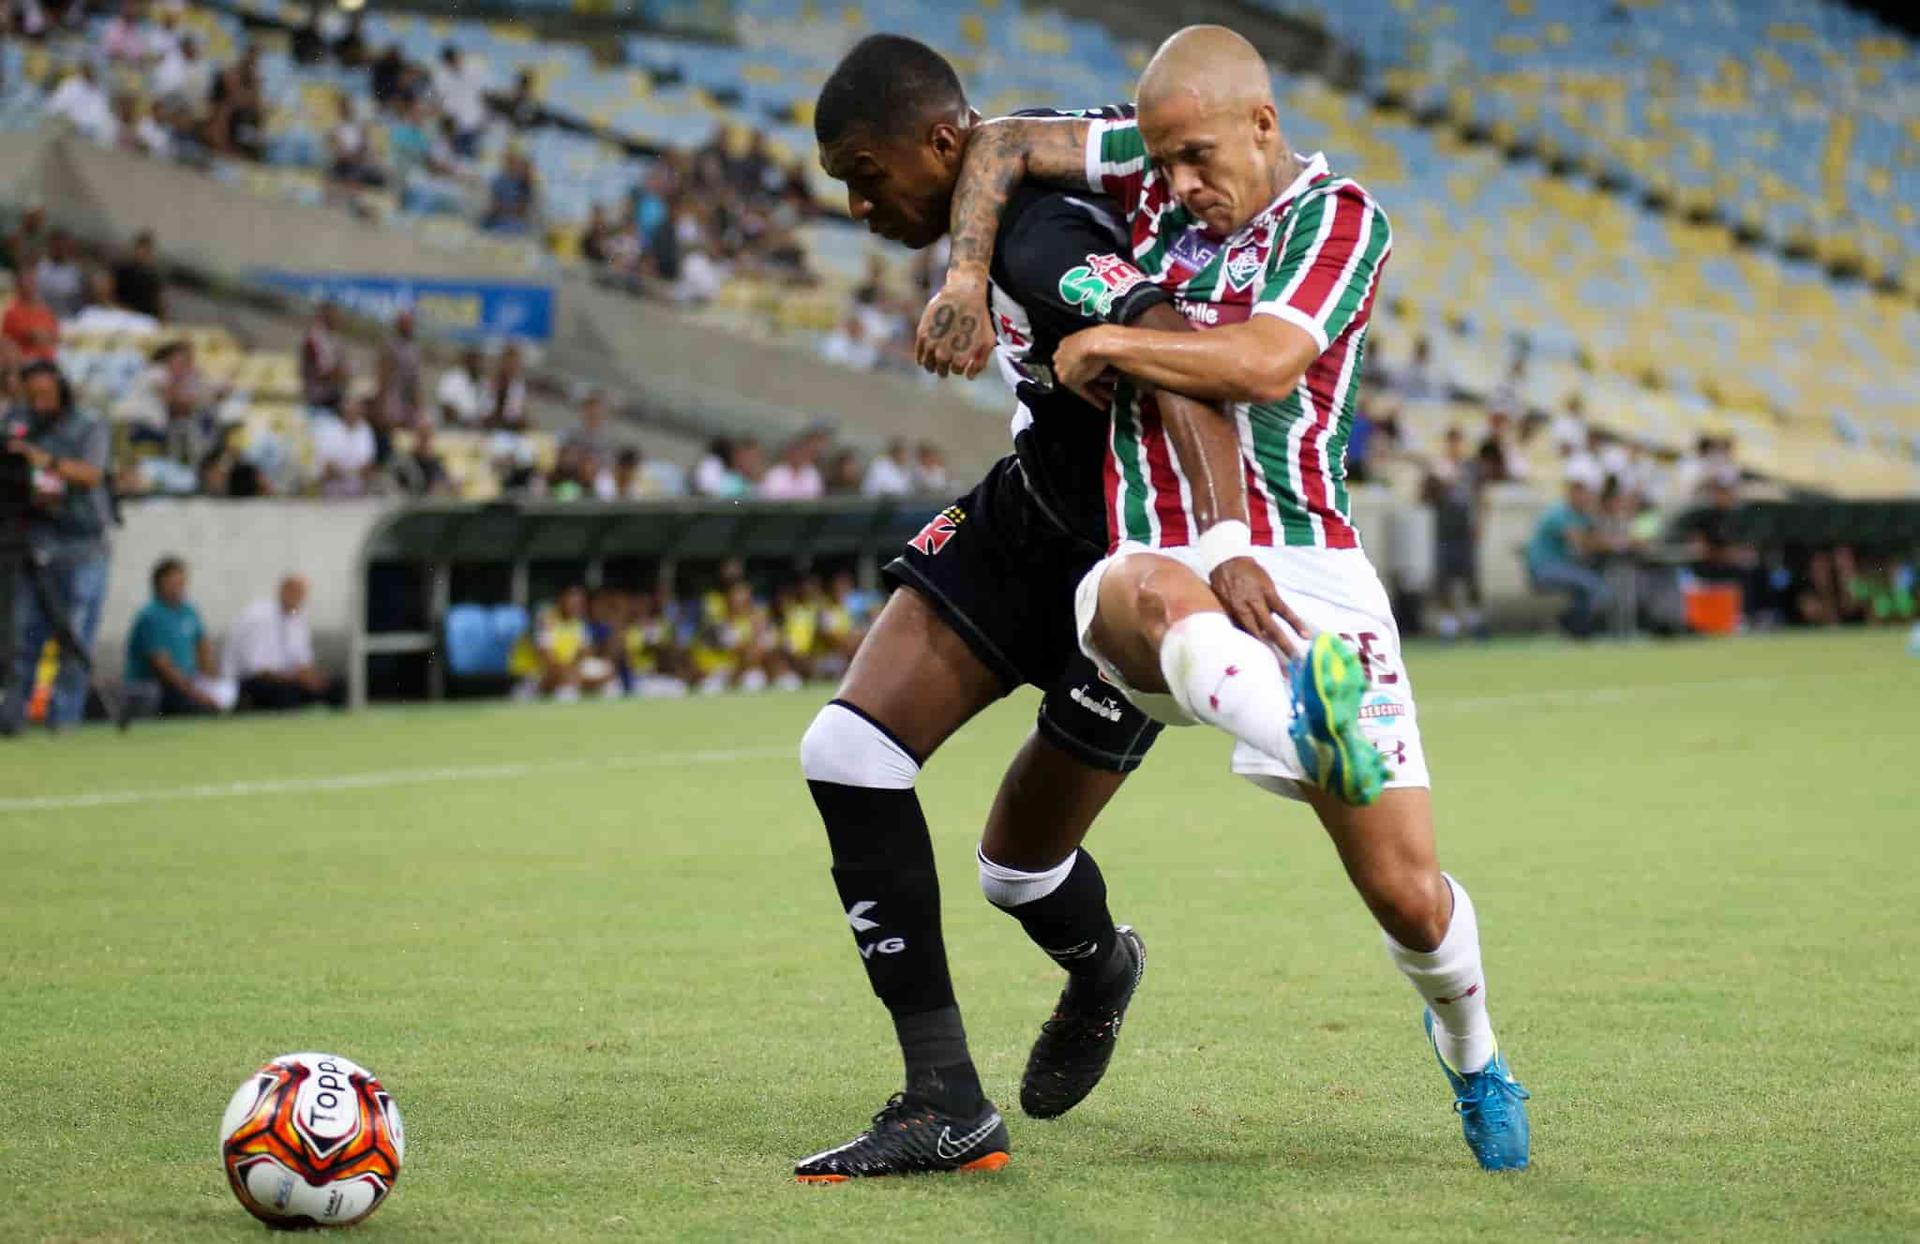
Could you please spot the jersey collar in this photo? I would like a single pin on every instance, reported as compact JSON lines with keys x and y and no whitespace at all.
{"x":1312,"y":169}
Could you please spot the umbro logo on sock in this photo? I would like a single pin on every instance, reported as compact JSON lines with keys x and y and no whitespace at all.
{"x":1214,"y":699}
{"x":949,"y":1148}
{"x":1471,"y":990}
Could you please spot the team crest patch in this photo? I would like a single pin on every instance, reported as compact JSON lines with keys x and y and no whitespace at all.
{"x":1094,"y":285}
{"x":1243,"y":267}
{"x":939,"y":529}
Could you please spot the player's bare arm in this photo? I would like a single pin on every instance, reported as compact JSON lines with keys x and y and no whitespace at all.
{"x":1206,"y":441}
{"x":956,"y":333}
{"x":1261,"y":360}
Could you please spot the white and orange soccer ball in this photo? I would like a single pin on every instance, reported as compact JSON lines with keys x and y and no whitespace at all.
{"x":312,"y":1140}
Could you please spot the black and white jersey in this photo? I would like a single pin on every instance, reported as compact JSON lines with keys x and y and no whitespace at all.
{"x":1061,"y":264}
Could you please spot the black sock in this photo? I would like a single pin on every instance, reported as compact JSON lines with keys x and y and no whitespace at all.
{"x":1073,"y":926}
{"x":883,"y":868}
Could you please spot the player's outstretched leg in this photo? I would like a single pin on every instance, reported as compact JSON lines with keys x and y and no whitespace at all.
{"x":917,"y":676}
{"x":1162,"y":628}
{"x":1433,"y":937}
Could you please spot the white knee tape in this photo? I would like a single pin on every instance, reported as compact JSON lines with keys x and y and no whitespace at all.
{"x":845,"y":748}
{"x":1009,"y":887}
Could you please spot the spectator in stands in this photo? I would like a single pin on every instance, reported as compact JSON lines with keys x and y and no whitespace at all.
{"x":1420,"y":380}
{"x":236,"y":121}
{"x":844,"y":475}
{"x":592,"y":437}
{"x":63,"y":282}
{"x":25,"y":18}
{"x":749,"y":465}
{"x":713,"y":474}
{"x":187,"y":402}
{"x":930,"y":471}
{"x":323,"y":361}
{"x":350,"y":49}
{"x":398,"y":376}
{"x":1452,"y":488}
{"x":29,"y":239}
{"x":796,"y":476}
{"x":125,"y":38}
{"x":80,"y":101}
{"x":182,"y":78}
{"x":556,"y":657}
{"x":269,"y":654}
{"x":419,"y":470}
{"x":521,"y":106}
{"x":1710,"y":466}
{"x":462,"y":390}
{"x":512,"y":196}
{"x":1569,"y":428}
{"x":387,"y":76}
{"x":627,"y":479}
{"x":506,"y":396}
{"x":573,"y":476}
{"x":849,"y":346}
{"x":104,"y":312}
{"x":137,"y":280}
{"x":596,"y":235}
{"x":1510,"y":395}
{"x":1561,"y":558}
{"x":28,"y":322}
{"x":169,"y":655}
{"x":1501,"y":449}
{"x":350,"y":163}
{"x":890,"y":474}
{"x":460,"y":87}
{"x":136,"y":130}
{"x":345,"y":449}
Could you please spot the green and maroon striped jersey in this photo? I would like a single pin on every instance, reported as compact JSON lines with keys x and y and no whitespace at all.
{"x":1312,"y":258}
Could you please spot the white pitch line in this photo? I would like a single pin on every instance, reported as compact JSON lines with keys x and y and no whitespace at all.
{"x":378,"y":778}
{"x":386,"y":777}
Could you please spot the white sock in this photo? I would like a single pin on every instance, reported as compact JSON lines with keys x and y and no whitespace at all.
{"x":1225,"y":677}
{"x":1455,"y":989}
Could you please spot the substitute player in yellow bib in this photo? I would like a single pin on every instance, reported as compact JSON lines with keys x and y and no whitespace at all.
{"x":1278,"y":260}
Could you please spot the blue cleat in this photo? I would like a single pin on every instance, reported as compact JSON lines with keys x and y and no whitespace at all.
{"x":1328,"y":683}
{"x":1492,"y":1108}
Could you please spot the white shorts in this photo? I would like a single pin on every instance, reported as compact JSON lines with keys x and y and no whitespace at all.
{"x":1333,"y":590}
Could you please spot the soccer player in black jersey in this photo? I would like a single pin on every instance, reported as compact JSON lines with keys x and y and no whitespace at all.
{"x":986,"y":604}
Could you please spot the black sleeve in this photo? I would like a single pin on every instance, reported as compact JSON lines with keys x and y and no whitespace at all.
{"x":1066,"y":262}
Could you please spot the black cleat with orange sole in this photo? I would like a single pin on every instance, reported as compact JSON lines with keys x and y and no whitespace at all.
{"x":1075,"y":1046}
{"x":911,"y":1137}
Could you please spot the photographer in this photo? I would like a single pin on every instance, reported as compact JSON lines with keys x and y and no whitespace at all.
{"x":65,"y":451}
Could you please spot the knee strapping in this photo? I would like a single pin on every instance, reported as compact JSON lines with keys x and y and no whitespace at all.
{"x":844,"y":747}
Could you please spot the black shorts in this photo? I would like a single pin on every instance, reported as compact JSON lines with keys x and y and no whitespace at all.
{"x":1001,"y":573}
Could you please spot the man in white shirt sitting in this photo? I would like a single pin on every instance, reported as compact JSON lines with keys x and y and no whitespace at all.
{"x":344,"y":449}
{"x":891,"y":474}
{"x":84,"y":105}
{"x":270,"y":654}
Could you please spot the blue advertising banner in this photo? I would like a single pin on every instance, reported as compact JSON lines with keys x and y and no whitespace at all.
{"x":463,"y":310}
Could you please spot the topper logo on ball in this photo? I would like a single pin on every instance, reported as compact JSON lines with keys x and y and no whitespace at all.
{"x":327,"y":1107}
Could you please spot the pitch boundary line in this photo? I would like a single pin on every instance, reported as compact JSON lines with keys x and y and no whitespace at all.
{"x":379,"y":778}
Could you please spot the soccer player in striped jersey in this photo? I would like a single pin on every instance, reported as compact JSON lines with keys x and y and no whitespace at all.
{"x":1277,"y":261}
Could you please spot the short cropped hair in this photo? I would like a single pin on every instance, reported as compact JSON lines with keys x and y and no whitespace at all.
{"x":886,"y":83}
{"x":164,"y":567}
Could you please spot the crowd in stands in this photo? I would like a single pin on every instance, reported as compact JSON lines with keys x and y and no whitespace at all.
{"x":613,"y":642}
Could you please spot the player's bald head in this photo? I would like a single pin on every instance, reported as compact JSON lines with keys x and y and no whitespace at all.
{"x":1209,"y":65}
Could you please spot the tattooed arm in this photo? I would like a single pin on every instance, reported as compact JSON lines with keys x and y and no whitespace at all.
{"x":956,"y":333}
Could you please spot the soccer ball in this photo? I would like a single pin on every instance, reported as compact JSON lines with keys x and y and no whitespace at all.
{"x":311,"y":1140}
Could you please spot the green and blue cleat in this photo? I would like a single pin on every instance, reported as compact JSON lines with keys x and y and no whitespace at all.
{"x":1493,"y":1110}
{"x":1328,"y":684}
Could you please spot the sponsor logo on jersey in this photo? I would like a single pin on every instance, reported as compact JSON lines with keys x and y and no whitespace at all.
{"x":1094,"y":285}
{"x":939,"y":529}
{"x":1198,"y":312}
{"x":1378,"y":705}
{"x":1102,"y":707}
{"x":1195,"y":249}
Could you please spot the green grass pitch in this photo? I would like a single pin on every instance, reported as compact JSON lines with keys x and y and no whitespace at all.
{"x":595,"y":953}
